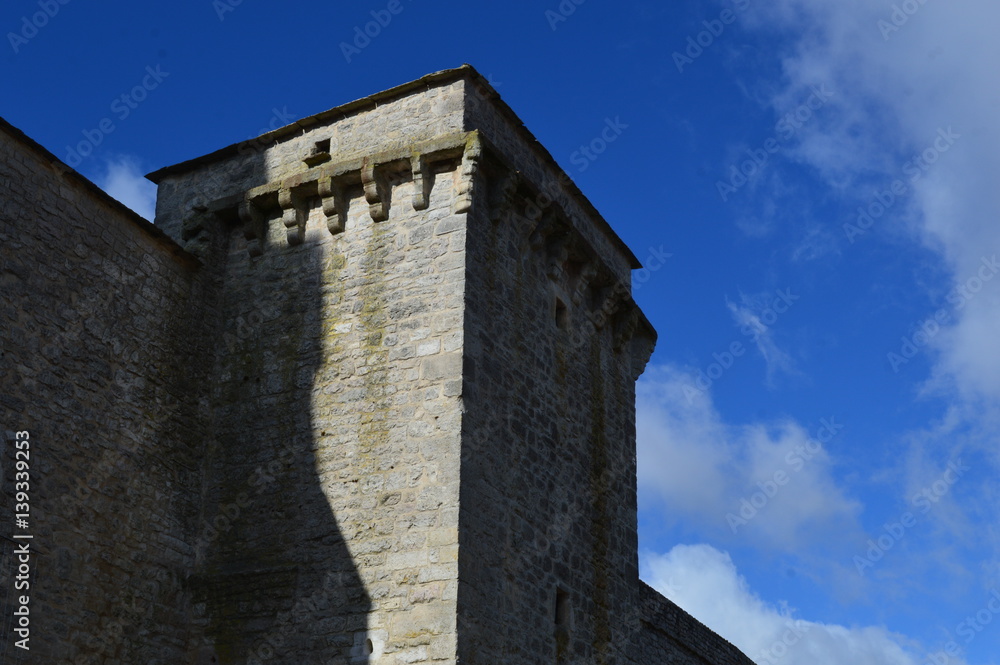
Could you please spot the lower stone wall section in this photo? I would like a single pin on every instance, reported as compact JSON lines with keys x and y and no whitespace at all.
{"x":667,"y":634}
{"x":101,"y":362}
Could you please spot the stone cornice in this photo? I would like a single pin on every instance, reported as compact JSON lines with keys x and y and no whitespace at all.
{"x":485,"y":178}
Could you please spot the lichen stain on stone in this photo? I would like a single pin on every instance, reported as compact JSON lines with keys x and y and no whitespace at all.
{"x":374,"y":426}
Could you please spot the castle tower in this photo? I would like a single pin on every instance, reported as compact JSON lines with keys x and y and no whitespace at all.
{"x":381,"y":388}
{"x":424,"y":387}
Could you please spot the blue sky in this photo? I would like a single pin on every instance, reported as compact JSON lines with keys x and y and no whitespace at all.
{"x":818,"y":425}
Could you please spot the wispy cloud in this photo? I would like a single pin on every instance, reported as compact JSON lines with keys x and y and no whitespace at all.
{"x":916,"y":103}
{"x":123,"y":180}
{"x":905,"y":79}
{"x":749,"y":315}
{"x":816,"y":243}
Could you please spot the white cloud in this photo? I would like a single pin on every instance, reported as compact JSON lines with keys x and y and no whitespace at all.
{"x":915,"y":98}
{"x":705,"y":582}
{"x":124,"y":181}
{"x":750,"y":316}
{"x":771,"y":484}
{"x":915,"y":104}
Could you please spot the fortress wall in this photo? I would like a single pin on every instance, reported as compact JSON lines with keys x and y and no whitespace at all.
{"x":102,"y":361}
{"x":330,"y":529}
{"x":548,"y":522}
{"x":668,"y":634}
{"x":382,"y":412}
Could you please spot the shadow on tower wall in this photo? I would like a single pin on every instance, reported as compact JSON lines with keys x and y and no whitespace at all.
{"x":276,"y":582}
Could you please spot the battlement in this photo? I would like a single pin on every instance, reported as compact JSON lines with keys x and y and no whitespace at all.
{"x":389,"y":130}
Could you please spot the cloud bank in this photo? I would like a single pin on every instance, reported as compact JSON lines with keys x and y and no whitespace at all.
{"x":767,"y":483}
{"x":705,"y":582}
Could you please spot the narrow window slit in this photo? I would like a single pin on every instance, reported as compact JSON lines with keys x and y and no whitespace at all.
{"x":562,"y":314}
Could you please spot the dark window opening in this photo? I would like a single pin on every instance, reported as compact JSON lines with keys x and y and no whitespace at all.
{"x":563,"y":619}
{"x":320,"y":153}
{"x":563,"y":609}
{"x":562,"y":314}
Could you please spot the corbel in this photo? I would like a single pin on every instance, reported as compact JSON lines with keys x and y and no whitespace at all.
{"x":377,"y":192}
{"x":253,"y":226}
{"x":293,"y":215}
{"x":608,"y":303}
{"x":423,"y":180}
{"x":197,"y":231}
{"x":471,"y":159}
{"x":193,"y":223}
{"x":504,"y":197}
{"x":587,"y":274}
{"x":625,"y":325}
{"x":334,"y":204}
{"x":557,"y":253}
{"x":544,"y":227}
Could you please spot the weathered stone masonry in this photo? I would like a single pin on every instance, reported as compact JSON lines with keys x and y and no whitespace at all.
{"x":102,"y":351}
{"x":373,"y":402}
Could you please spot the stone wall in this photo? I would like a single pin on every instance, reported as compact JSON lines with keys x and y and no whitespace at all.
{"x":487,"y":113}
{"x":331,"y":498}
{"x":380,"y":409}
{"x":101,"y":361}
{"x":668,"y":634}
{"x":548,"y":520}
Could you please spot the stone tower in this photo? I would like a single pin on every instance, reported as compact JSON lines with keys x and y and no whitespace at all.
{"x":385,"y":405}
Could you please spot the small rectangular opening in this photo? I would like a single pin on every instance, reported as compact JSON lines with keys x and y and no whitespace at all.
{"x":562,"y":314}
{"x":563,"y":620}
{"x":320,"y":153}
{"x":562,"y":609}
